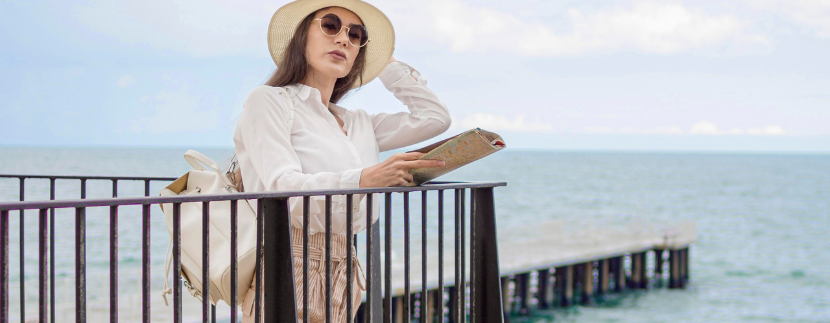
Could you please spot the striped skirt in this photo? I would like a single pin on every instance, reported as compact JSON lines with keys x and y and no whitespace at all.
{"x":317,"y":280}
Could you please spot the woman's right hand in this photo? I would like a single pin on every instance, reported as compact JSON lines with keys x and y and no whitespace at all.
{"x":394,"y":171}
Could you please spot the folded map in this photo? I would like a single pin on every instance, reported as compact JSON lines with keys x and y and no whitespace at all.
{"x":456,"y":151}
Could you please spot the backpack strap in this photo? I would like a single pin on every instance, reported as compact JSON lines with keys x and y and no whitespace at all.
{"x":290,"y":108}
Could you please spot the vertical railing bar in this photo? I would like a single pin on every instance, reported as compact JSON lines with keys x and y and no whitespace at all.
{"x":424,"y":294}
{"x":80,"y":263}
{"x":387,"y":300}
{"x":306,"y":205}
{"x":212,"y":313}
{"x":328,"y":258}
{"x":259,"y":270}
{"x":113,"y":263}
{"x":146,"y":278}
{"x":52,"y":252}
{"x":349,"y":269}
{"x":407,"y":312}
{"x":145,"y":266}
{"x":4,"y":267}
{"x":473,"y":259}
{"x":368,"y":312}
{"x":234,"y":260}
{"x":177,"y":263}
{"x":463,"y":299}
{"x":458,"y":266}
{"x":42,"y":265}
{"x":205,"y":261}
{"x":22,"y":254}
{"x":441,"y":256}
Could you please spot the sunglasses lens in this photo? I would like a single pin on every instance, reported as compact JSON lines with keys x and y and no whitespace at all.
{"x":358,"y":35}
{"x":330,"y":24}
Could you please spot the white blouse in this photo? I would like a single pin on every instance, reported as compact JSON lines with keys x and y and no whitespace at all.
{"x":315,"y":154}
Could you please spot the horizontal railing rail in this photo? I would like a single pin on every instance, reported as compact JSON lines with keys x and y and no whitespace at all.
{"x":275,"y":256}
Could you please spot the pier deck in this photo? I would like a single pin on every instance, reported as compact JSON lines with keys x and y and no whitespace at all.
{"x":549,"y":250}
{"x":551,"y":245}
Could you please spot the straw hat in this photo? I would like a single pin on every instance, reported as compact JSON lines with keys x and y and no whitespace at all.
{"x":381,"y":33}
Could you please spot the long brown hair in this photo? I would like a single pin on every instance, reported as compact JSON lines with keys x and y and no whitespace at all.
{"x":294,"y":65}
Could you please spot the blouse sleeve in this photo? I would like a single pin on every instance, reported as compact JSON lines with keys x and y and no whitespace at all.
{"x":427,"y":116}
{"x":265,"y":133}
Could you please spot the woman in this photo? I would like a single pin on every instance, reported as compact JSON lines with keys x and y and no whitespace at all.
{"x":292,"y":135}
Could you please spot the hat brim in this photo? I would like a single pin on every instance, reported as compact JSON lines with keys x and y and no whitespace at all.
{"x":381,"y":33}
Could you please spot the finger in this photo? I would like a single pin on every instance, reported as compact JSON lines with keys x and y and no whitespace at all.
{"x":410,"y":155}
{"x":408,"y":177}
{"x":423,"y":163}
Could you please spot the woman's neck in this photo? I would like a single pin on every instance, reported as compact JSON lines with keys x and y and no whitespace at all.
{"x":322,"y":83}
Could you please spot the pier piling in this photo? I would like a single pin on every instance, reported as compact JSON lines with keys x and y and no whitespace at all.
{"x":636,"y":271}
{"x":674,"y":269}
{"x":506,"y":295}
{"x":587,"y":283}
{"x":569,"y":285}
{"x":684,"y":268}
{"x":522,"y":284}
{"x":603,"y":277}
{"x":543,"y":291}
{"x":658,"y":267}
{"x":619,"y":273}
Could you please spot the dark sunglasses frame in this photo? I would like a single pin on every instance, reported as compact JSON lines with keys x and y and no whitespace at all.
{"x":338,"y":22}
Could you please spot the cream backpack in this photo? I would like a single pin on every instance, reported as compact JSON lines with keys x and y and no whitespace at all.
{"x":206,"y":178}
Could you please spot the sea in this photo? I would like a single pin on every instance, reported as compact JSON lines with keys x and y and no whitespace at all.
{"x":763,"y":222}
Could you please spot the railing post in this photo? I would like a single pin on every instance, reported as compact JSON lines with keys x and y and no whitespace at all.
{"x":376,"y":312}
{"x":487,"y":303}
{"x":278,"y":261}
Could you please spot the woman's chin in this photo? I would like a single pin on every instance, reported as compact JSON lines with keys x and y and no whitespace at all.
{"x":338,"y":73}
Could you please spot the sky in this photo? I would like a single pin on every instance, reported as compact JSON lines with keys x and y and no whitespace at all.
{"x":732,"y":75}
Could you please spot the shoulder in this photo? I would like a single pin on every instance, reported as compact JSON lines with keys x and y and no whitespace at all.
{"x":267,"y":92}
{"x":266,"y":97}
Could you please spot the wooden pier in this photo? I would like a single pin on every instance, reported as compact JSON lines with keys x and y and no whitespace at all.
{"x":550,"y":265}
{"x":556,"y":265}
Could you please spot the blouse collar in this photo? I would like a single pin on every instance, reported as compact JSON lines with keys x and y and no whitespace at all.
{"x":303,"y":92}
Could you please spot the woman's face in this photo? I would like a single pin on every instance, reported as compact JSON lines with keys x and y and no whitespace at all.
{"x":327,"y":55}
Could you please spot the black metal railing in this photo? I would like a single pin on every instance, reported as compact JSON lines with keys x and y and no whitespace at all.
{"x":275,"y":256}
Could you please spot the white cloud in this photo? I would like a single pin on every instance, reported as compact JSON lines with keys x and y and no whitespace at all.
{"x":495,"y":122}
{"x":125,"y":81}
{"x":774,"y":130}
{"x":177,"y":112}
{"x":672,"y":130}
{"x":599,"y":130}
{"x":219,"y":28}
{"x":647,"y":27}
{"x":710,"y":128}
{"x":705,"y":128}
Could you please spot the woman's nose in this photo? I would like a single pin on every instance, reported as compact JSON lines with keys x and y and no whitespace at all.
{"x":343,"y":37}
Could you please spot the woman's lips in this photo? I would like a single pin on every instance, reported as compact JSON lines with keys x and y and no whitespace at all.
{"x":338,"y":55}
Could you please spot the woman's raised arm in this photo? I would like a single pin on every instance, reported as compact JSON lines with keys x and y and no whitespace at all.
{"x":427,"y":116}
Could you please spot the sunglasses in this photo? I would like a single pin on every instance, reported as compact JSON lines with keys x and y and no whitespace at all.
{"x":331,"y":25}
